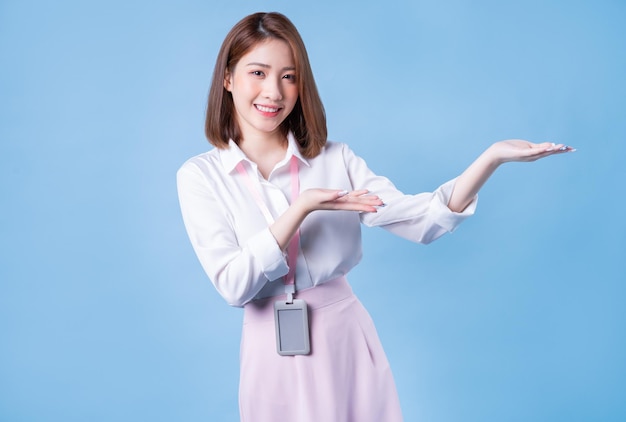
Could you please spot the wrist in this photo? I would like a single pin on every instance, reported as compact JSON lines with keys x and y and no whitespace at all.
{"x":492,"y":157}
{"x":300,"y":209}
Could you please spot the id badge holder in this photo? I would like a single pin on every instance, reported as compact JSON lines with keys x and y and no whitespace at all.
{"x":292,"y":327}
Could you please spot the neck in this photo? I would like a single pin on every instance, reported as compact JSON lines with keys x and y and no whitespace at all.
{"x":260,"y":145}
{"x":266,"y":152}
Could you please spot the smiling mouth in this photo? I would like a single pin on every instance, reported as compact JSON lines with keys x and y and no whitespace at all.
{"x":266,"y":109}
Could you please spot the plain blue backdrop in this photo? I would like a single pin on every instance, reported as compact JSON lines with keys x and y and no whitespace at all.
{"x":105,"y":313}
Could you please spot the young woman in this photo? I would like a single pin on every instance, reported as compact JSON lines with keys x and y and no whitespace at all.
{"x":274,"y":201}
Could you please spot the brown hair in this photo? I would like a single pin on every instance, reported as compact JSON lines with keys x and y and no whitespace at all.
{"x":307,"y":120}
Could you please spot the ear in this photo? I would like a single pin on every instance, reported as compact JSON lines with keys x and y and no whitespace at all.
{"x":228,"y":81}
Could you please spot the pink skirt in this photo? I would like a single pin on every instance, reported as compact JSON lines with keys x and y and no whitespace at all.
{"x":346,"y":378}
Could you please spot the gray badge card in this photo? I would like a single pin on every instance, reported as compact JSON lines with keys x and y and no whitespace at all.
{"x":292,"y":327}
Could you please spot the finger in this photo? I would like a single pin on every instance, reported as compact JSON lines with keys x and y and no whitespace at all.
{"x":367,"y":201}
{"x":343,"y":193}
{"x":544,"y":149}
{"x":358,"y":192}
{"x":354,"y":206}
{"x":558,"y":149}
{"x":551,"y":146}
{"x":361,"y":196}
{"x":347,"y":196}
{"x":351,"y":201}
{"x":354,"y":194}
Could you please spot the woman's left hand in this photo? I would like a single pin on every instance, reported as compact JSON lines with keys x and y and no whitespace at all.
{"x":520,"y":150}
{"x":469,"y":183}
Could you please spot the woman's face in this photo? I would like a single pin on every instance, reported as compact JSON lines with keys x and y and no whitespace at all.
{"x":264,"y":88}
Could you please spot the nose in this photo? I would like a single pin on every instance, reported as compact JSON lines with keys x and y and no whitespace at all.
{"x":272,"y":89}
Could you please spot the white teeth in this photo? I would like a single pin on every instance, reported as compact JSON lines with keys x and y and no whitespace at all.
{"x":266,"y":109}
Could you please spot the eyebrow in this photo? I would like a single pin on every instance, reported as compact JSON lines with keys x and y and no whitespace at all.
{"x":267,"y":66}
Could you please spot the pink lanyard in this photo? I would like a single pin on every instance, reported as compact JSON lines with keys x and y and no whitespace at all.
{"x":292,"y":248}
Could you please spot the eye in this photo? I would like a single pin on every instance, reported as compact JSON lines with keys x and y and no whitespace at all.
{"x":290,"y":77}
{"x":257,"y":73}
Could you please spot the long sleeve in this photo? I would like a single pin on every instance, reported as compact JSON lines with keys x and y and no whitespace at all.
{"x":421,"y":218}
{"x":239,"y":265}
{"x":232,"y":240}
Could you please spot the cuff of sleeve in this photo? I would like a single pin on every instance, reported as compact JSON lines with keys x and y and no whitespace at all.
{"x":445,"y":218}
{"x":267,"y":252}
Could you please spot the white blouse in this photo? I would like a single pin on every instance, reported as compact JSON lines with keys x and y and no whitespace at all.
{"x":232,"y":239}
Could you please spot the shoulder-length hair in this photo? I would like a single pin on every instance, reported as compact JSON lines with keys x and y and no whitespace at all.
{"x":307,"y":121}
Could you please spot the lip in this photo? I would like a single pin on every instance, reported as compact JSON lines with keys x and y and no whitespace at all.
{"x":268,"y":110}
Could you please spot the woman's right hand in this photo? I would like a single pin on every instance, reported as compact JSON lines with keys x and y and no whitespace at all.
{"x":311,"y":200}
{"x":330,"y":199}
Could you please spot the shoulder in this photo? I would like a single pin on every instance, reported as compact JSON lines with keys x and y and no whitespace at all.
{"x":337,"y":153}
{"x":335,"y":149}
{"x":204,"y":161}
{"x":334,"y":145}
{"x":340,"y":150}
{"x":201,"y":170}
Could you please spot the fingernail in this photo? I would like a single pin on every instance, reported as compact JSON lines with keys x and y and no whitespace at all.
{"x":342,"y":193}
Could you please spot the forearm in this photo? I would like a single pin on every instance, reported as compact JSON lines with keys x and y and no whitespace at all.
{"x":469,"y":183}
{"x":472,"y":180}
{"x":311,"y":200}
{"x":287,"y":224}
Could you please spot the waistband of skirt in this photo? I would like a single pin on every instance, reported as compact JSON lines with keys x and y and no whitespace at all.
{"x":316,"y":297}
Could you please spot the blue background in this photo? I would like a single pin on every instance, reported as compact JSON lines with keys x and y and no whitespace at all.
{"x":105,"y":313}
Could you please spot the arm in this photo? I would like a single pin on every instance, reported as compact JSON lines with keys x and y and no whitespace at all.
{"x":240,"y":269}
{"x":238,"y":266}
{"x":311,"y":200}
{"x":420,"y":218}
{"x":474,"y":177}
